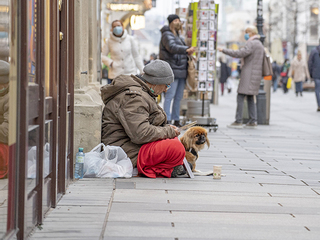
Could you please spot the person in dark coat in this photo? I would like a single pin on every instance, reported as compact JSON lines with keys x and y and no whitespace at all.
{"x":314,"y":70}
{"x":225,"y":73}
{"x":275,"y":76}
{"x":174,"y":51}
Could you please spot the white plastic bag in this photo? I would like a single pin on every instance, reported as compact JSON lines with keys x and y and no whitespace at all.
{"x":107,"y":162}
{"x":229,"y":83}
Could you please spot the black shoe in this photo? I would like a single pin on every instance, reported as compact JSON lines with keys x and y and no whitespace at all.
{"x":296,"y":94}
{"x":177,"y":123}
{"x":318,"y":110}
{"x":301,"y":94}
{"x":168,"y":122}
{"x":178,"y":170}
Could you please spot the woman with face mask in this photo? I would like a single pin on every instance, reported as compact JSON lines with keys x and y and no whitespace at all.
{"x":250,"y":77}
{"x":174,"y":51}
{"x":124,"y":56}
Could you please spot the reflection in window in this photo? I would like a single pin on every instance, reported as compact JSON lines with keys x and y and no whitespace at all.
{"x":4,"y":112}
{"x":32,"y":34}
{"x":33,"y":156}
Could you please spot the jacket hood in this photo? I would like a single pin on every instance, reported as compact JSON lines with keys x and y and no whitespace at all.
{"x":120,"y":84}
{"x":165,"y":28}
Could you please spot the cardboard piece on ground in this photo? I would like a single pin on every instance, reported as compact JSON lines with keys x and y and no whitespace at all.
{"x":199,"y":173}
{"x":188,"y":169}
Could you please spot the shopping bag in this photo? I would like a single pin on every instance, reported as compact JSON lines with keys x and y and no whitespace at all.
{"x":191,"y":83}
{"x":289,"y":82}
{"x":107,"y":162}
{"x":266,"y":67}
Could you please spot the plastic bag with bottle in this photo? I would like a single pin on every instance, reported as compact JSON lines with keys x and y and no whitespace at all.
{"x":107,"y":162}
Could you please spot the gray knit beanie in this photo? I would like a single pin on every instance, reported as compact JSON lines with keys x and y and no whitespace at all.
{"x":158,"y":72}
{"x":4,"y":72}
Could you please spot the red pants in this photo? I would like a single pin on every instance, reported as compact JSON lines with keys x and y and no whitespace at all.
{"x":157,"y":159}
{"x":4,"y":159}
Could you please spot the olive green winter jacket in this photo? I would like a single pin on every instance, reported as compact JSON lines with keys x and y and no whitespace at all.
{"x":131,"y":117}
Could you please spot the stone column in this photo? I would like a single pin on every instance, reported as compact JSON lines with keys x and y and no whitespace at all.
{"x":88,"y":104}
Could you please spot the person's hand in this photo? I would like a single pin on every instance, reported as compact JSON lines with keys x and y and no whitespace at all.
{"x":111,"y":64}
{"x":176,"y":129}
{"x":191,"y":50}
{"x":220,"y":49}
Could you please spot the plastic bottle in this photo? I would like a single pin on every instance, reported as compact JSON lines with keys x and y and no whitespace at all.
{"x":78,"y":170}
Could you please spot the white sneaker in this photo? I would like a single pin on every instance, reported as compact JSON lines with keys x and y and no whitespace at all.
{"x":235,"y":125}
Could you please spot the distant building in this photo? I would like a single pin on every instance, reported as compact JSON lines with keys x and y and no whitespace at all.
{"x":296,"y":23}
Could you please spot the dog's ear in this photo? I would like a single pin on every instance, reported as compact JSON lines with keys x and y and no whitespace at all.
{"x":207,"y":140}
{"x":187,"y":140}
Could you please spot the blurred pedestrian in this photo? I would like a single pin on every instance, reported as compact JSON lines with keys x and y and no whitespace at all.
{"x":314,"y":69}
{"x":124,"y":56}
{"x":134,"y":121}
{"x":174,"y":51}
{"x":225,"y":73}
{"x":284,"y":75}
{"x":275,"y":76}
{"x":251,"y":75}
{"x":153,"y":57}
{"x":298,"y":72}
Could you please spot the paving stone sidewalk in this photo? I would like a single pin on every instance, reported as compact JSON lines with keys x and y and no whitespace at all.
{"x":271,"y":189}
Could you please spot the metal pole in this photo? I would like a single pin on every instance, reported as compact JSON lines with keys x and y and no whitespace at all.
{"x":260,"y":20}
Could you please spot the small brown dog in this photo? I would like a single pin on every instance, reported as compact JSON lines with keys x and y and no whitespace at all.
{"x":193,"y":141}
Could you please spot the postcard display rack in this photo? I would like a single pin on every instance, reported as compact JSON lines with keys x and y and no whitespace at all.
{"x":207,"y":23}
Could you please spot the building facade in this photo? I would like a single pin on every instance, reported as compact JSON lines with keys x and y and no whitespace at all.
{"x":295,"y":24}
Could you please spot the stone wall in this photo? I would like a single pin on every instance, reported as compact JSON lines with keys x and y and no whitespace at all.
{"x":88,"y":104}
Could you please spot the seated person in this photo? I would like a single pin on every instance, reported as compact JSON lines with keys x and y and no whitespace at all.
{"x":133,"y":120}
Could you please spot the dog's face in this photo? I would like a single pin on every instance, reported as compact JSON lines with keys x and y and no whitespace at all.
{"x":195,"y":137}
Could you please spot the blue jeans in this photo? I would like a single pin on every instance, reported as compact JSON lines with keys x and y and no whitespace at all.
{"x":175,"y":93}
{"x":275,"y":83}
{"x":317,"y":90}
{"x":299,"y":87}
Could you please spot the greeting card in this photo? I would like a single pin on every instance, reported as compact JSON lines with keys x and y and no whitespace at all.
{"x":211,"y":34}
{"x":203,"y":65}
{"x":211,"y":25}
{"x":211,"y":55}
{"x":209,"y":86}
{"x":203,"y":4}
{"x":211,"y":45}
{"x":203,"y":14}
{"x":202,"y":76}
{"x":203,"y":35}
{"x":203,"y":24}
{"x":203,"y":55}
{"x":202,"y":86}
{"x":210,"y":65}
{"x":210,"y":75}
{"x":212,"y":5}
{"x":212,"y":15}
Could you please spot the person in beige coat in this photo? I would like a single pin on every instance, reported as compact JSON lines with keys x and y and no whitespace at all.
{"x":251,"y":75}
{"x":299,"y":73}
